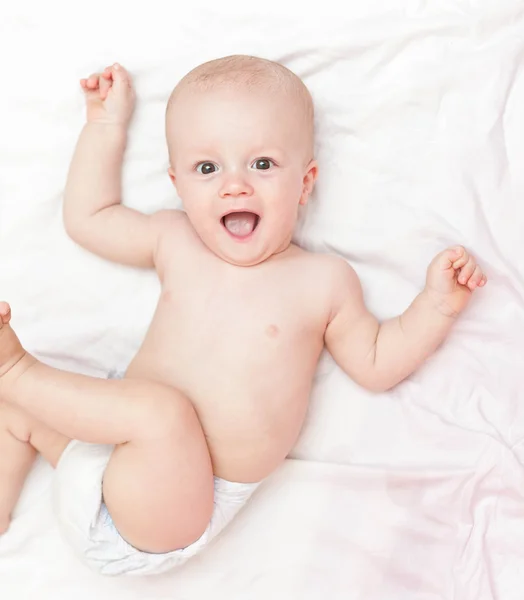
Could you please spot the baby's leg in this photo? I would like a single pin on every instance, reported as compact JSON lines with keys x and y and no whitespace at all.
{"x":158,"y":486}
{"x":16,"y":458}
{"x":20,"y":438}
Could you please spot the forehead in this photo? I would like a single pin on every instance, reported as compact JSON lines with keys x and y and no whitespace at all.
{"x":257,"y":115}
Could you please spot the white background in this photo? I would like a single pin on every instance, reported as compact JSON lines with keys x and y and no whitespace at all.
{"x":414,"y":494}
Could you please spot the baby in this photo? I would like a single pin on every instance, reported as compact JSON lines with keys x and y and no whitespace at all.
{"x":164,"y":457}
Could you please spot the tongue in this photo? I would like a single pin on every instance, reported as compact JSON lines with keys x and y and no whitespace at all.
{"x":240,"y":224}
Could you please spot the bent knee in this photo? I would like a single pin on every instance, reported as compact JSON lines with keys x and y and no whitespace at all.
{"x":168,"y":538}
{"x":170,"y":413}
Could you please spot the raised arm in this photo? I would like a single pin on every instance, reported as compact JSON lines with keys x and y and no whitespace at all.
{"x":93,"y":214}
{"x":378,"y":356}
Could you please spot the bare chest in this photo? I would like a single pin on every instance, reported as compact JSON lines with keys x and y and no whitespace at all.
{"x":229,"y":318}
{"x":231,"y":327}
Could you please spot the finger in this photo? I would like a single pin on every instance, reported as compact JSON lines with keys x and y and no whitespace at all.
{"x":92,"y":81}
{"x":461,"y":258}
{"x":446,"y":258}
{"x":121,"y":77}
{"x":475,"y":279}
{"x":107,"y":73}
{"x":89,"y":92}
{"x":105,"y":86}
{"x":483,"y":281}
{"x":5,"y":312}
{"x":467,"y":271}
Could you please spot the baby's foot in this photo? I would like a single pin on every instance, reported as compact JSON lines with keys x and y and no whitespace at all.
{"x":11,"y":351}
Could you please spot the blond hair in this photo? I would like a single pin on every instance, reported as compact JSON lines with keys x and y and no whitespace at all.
{"x":248,"y":72}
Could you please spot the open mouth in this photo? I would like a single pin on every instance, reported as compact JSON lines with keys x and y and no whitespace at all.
{"x":240,"y":224}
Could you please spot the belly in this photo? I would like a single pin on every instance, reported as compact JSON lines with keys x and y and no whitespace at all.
{"x":249,"y":386}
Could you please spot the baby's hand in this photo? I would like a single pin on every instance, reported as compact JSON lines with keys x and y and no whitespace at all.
{"x":452,"y":277}
{"x":110,"y":97}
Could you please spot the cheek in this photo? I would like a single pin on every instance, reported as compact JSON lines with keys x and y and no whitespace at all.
{"x":286,"y":190}
{"x":192,"y":200}
{"x":184,"y":187}
{"x":284,"y":208}
{"x":196,"y":211}
{"x":191,"y":194}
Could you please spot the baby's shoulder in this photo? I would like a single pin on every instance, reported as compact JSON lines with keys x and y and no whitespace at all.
{"x":167,"y":219}
{"x":328,"y":267}
{"x":172,"y":230}
{"x":328,"y":280}
{"x":334,"y":278}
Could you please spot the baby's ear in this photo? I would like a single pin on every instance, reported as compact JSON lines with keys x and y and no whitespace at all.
{"x":309,"y":181}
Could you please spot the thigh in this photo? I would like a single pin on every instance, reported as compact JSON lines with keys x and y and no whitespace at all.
{"x":159,"y":489}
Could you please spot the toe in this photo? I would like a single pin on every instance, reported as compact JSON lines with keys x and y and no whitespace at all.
{"x":5,"y":313}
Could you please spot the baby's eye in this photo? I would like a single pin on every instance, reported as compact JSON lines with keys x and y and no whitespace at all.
{"x":206,"y":168}
{"x":263,"y":164}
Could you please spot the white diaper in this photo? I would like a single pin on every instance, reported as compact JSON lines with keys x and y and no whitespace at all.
{"x":87,"y":525}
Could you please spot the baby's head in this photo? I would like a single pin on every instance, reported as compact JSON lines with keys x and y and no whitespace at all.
{"x":240,"y":139}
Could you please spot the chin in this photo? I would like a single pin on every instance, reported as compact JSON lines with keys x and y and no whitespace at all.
{"x":246,"y":252}
{"x":244,"y":259}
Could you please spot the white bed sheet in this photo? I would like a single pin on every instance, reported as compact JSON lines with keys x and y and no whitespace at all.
{"x":416,"y":494}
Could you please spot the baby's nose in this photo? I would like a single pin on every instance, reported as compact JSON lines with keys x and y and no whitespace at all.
{"x":235,"y":185}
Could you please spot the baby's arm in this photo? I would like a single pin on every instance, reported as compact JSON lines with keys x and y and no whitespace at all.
{"x":93,"y":214}
{"x":378,"y":356}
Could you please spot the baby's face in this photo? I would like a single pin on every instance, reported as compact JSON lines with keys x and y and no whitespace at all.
{"x":241,"y":163}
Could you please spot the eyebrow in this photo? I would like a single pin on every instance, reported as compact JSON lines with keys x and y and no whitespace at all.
{"x":269,"y":151}
{"x":257,"y":152}
{"x":200,"y":150}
